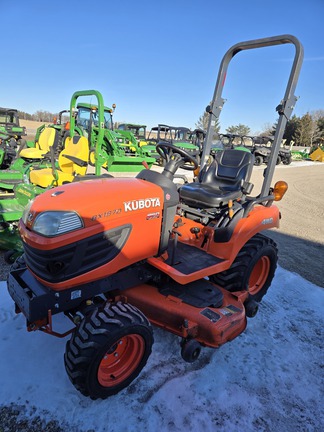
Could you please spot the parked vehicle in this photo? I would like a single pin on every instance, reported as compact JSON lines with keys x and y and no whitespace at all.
{"x":262,"y":151}
{"x":118,"y":255}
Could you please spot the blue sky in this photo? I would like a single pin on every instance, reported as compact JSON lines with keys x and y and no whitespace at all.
{"x":158,"y":60}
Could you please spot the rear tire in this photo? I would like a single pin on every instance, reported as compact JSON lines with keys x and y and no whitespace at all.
{"x":258,"y":160}
{"x":108,"y":350}
{"x":252,"y":270}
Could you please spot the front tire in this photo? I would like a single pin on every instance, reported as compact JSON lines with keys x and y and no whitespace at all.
{"x":252,"y":270}
{"x":190,"y":350}
{"x":287,"y":160}
{"x":108,"y":350}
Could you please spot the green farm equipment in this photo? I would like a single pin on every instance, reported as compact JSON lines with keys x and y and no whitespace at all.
{"x":8,"y":149}
{"x":9,"y":121}
{"x":90,"y":136}
{"x":137,"y":134}
{"x":139,"y":131}
{"x":11,"y":136}
{"x":25,"y":159}
{"x":114,"y":150}
{"x":35,"y":155}
{"x":197,"y":137}
{"x":234,"y":141}
{"x":228,"y":141}
{"x":179,"y":137}
{"x":71,"y":166}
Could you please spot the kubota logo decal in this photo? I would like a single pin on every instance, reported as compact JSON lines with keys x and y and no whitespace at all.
{"x":267,"y":221}
{"x":141,"y":204}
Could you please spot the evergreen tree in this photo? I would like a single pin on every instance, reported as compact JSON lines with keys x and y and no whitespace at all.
{"x":293,"y":125}
{"x":303,"y":134}
{"x":202,"y":123}
{"x":239,"y":129}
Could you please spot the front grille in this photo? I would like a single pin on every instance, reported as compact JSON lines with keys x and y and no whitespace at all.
{"x":76,"y":258}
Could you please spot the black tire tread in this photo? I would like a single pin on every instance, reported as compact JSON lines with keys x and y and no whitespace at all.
{"x":232,"y":278}
{"x":92,"y":333}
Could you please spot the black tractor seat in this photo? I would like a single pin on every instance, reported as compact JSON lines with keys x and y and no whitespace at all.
{"x":226,"y":178}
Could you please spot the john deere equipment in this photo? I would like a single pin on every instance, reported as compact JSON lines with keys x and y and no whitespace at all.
{"x":133,"y":252}
{"x":179,"y":137}
{"x":8,"y":149}
{"x":139,"y":131}
{"x":9,"y":121}
{"x":88,"y":133}
{"x":36,"y":155}
{"x":72,"y":166}
{"x":11,"y":136}
{"x":109,"y":148}
{"x":234,"y":141}
{"x":197,"y":137}
{"x":137,"y":134}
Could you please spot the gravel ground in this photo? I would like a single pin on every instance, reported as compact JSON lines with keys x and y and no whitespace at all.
{"x":301,"y":250}
{"x":300,"y":237}
{"x":11,"y":420}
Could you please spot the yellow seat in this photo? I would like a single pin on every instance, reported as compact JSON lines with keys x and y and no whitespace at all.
{"x":73,"y":161}
{"x":47,"y":138}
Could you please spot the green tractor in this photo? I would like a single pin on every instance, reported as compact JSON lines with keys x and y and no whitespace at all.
{"x":8,"y":149}
{"x":139,"y":131}
{"x":90,"y":137}
{"x":9,"y":122}
{"x":180,"y":137}
{"x":11,"y":136}
{"x":35,"y":155}
{"x":235,"y":141}
{"x":113,"y":150}
{"x":137,"y":134}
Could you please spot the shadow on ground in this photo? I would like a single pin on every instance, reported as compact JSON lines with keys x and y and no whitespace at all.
{"x":300,"y":256}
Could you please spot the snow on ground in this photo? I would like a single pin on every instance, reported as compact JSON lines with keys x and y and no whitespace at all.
{"x":270,"y":378}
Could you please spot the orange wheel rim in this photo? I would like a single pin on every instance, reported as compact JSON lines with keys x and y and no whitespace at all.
{"x":121,"y":360}
{"x":259,"y":275}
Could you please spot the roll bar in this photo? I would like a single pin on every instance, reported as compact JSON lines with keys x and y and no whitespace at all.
{"x":284,"y":109}
{"x":101,"y":122}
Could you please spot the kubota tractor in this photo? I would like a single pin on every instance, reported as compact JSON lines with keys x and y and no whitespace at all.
{"x":117,"y":255}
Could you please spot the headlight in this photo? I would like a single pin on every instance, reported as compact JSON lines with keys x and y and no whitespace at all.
{"x":53,"y":223}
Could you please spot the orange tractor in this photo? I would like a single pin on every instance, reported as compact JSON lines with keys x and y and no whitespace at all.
{"x":116,"y":255}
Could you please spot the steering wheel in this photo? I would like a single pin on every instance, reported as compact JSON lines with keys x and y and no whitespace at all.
{"x":163,"y":149}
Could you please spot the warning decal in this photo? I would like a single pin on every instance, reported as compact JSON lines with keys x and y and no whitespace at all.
{"x":229,"y":310}
{"x":211,"y":315}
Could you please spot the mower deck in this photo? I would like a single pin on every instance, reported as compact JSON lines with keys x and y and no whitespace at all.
{"x":210,"y":325}
{"x":201,"y":310}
